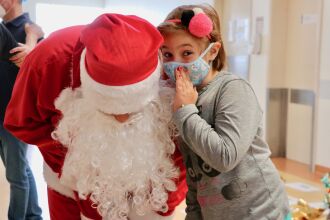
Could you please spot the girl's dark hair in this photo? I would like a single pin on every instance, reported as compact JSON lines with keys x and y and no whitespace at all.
{"x":220,"y":60}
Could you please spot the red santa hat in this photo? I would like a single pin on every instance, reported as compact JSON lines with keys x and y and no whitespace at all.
{"x":119,"y":66}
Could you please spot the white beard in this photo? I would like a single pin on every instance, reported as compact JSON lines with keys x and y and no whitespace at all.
{"x":120,"y":165}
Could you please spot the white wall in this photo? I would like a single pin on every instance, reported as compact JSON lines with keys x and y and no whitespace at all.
{"x":278,"y":44}
{"x":302,"y":47}
{"x":323,"y":129}
{"x":325,"y":46}
{"x":259,"y":63}
{"x":30,"y":5}
{"x":289,"y":59}
{"x":299,"y":133}
{"x":301,"y":72}
{"x":219,"y":6}
{"x":234,"y":10}
{"x":85,"y":11}
{"x":295,"y":62}
{"x":154,"y":11}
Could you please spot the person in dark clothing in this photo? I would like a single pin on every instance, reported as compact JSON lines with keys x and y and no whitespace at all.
{"x":18,"y":36}
{"x":7,"y":43}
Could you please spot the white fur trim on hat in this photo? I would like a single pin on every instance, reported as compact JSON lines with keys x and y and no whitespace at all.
{"x":53,"y":182}
{"x":119,"y":99}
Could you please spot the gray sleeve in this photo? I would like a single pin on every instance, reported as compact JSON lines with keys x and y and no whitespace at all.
{"x":237,"y":118}
{"x":193,"y":208}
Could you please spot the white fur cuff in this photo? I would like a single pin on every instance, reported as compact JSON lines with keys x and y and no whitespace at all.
{"x":53,"y":182}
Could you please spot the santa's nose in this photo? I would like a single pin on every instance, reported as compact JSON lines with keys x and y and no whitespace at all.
{"x":121,"y":118}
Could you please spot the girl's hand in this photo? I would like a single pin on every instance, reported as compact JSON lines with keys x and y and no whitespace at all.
{"x":186,"y":93}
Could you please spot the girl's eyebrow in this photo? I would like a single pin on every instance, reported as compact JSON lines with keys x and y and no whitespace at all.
{"x":181,"y":45}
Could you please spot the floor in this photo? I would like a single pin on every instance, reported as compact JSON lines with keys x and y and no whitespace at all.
{"x":300,"y":183}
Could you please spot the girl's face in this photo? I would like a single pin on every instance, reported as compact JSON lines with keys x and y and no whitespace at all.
{"x":181,"y":47}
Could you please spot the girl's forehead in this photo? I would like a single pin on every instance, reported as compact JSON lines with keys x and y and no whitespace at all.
{"x":179,"y":38}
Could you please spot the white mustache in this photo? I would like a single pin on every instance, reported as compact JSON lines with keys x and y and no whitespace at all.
{"x":135,"y":117}
{"x":132,"y":119}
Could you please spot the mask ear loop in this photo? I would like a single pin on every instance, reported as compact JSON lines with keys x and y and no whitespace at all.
{"x":207,"y":49}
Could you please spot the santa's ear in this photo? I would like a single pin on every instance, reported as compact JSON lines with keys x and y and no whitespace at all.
{"x":212,"y":54}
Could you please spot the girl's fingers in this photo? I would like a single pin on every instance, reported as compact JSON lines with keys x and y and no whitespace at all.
{"x":179,"y":72}
{"x":187,"y":81}
{"x":179,"y":79}
{"x":183,"y":75}
{"x":179,"y":84}
{"x":183,"y":82}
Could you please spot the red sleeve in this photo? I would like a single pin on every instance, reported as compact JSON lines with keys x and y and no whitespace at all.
{"x":87,"y":207}
{"x":31,"y":115}
{"x":176,"y":197}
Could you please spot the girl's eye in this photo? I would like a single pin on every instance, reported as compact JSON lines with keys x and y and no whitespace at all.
{"x":167,"y":54}
{"x":187,"y":53}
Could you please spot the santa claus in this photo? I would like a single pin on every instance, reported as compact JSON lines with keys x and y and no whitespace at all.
{"x":90,"y":97}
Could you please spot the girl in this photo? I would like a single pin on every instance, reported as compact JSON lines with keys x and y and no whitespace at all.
{"x":229,"y":173}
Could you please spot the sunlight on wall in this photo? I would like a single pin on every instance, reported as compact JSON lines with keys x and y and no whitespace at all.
{"x":52,"y":17}
{"x":154,"y":11}
{"x":153,"y":16}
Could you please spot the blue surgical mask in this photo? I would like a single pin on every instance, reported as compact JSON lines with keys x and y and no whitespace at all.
{"x":197,"y":69}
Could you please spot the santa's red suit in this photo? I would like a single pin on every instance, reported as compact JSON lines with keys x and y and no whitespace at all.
{"x":31,"y":115}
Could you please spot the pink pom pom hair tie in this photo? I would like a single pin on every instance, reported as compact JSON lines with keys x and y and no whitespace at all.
{"x":196,"y":21}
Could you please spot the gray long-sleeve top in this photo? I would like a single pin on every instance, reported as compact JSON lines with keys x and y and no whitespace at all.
{"x":229,"y":173}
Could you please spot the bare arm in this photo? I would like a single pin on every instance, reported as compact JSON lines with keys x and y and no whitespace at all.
{"x":33,"y":34}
